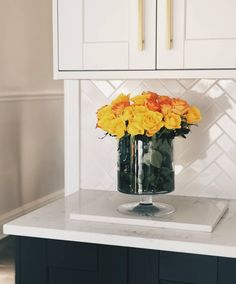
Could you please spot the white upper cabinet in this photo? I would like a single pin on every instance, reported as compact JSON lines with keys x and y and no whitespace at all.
{"x":106,"y":34}
{"x":202,"y":34}
{"x":144,"y":39}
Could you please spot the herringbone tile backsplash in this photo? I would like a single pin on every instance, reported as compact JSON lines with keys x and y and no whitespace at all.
{"x":205,"y":162}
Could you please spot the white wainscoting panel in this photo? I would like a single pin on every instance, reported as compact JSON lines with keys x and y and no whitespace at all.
{"x":205,"y":162}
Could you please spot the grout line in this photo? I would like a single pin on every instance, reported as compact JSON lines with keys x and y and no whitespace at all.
{"x":197,"y":176}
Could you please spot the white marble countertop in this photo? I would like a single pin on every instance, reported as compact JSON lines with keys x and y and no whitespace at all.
{"x":53,"y":222}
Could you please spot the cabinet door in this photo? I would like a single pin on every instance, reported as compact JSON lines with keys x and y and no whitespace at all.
{"x":143,"y":266}
{"x":203,"y":33}
{"x":226,"y":271}
{"x":112,"y":265}
{"x":104,"y":34}
{"x":187,"y":268}
{"x":31,"y":260}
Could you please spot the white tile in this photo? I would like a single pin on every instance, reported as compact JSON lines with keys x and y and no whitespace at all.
{"x":230,"y":87}
{"x":226,"y":186}
{"x":128,"y":87}
{"x":206,"y":158}
{"x":90,"y":92}
{"x":215,"y":92}
{"x":228,"y":125}
{"x":197,"y":143}
{"x":104,"y":86}
{"x":139,"y":89}
{"x":228,"y":106}
{"x":175,"y":88}
{"x":202,"y":85}
{"x":203,"y":161}
{"x":116,"y":83}
{"x":210,"y":116}
{"x":227,"y":146}
{"x":206,"y":176}
{"x":228,"y":166}
{"x":187,"y":83}
{"x":211,"y":190}
{"x":157,"y":86}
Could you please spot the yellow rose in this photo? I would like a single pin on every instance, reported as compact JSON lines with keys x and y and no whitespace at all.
{"x":104,"y":111}
{"x":193,"y":115}
{"x":128,"y":113}
{"x":135,"y":127}
{"x":139,"y":109}
{"x":180,"y":107}
{"x":152,"y":122}
{"x":134,"y":112}
{"x":139,"y":112}
{"x":120,"y":103}
{"x":140,"y":100}
{"x":104,"y":123}
{"x":172,"y":121}
{"x":117,"y":127}
{"x":105,"y":115}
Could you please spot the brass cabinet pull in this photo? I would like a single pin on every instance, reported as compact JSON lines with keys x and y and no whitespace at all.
{"x":141,"y":41}
{"x":169,"y":24}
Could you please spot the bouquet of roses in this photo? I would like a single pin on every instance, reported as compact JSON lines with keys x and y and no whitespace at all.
{"x":147,"y":114}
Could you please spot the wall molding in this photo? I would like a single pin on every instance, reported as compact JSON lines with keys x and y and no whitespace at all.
{"x":30,"y":96}
{"x":26,"y":208}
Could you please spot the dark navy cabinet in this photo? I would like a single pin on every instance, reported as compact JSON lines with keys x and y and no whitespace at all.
{"x":227,"y":271}
{"x":42,"y":261}
{"x":187,"y":268}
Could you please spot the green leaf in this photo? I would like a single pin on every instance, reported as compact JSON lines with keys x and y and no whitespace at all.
{"x":156,"y":158}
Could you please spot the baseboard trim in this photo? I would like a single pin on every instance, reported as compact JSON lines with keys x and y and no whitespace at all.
{"x":26,"y":208}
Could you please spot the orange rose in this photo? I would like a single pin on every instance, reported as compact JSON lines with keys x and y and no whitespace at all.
{"x":180,"y":107}
{"x":165,"y":109}
{"x":165,"y":100}
{"x":172,"y":121}
{"x":119,"y":104}
{"x":193,"y":115}
{"x":152,"y":102}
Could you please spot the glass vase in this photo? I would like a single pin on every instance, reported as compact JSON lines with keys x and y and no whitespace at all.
{"x":145,"y":168}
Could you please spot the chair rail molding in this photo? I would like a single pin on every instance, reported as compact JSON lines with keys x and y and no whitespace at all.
{"x":30,"y":96}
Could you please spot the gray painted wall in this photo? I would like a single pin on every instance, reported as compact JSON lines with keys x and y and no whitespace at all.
{"x":31,"y":106}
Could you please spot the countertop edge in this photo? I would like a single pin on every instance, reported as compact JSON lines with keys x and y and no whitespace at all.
{"x":125,"y":241}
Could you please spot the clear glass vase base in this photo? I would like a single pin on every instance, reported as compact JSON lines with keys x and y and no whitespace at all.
{"x":154,"y":209}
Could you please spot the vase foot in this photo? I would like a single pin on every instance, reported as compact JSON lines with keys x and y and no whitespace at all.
{"x":154,"y":209}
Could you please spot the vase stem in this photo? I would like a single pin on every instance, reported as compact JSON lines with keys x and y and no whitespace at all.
{"x":145,"y":200}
